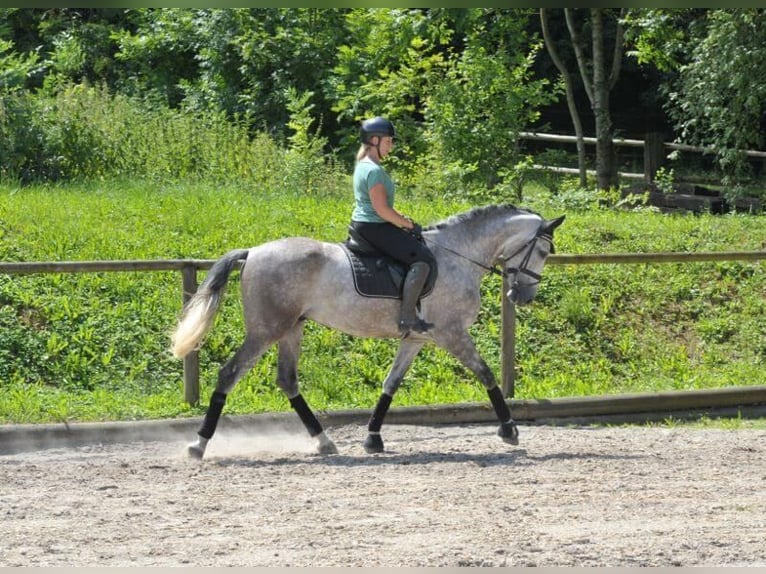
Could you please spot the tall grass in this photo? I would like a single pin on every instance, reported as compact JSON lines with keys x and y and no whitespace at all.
{"x":155,"y":184}
{"x":84,"y":133}
{"x":94,"y":346}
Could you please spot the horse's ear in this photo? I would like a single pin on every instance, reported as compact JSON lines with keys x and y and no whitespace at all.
{"x":551,"y":224}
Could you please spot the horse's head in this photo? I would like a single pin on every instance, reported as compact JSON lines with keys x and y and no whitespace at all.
{"x":523,"y":264}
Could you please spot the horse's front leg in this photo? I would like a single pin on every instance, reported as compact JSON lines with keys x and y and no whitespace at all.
{"x":464,"y":349}
{"x":407,"y":352}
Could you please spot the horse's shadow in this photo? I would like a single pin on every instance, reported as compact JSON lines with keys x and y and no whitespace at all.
{"x":515,"y":458}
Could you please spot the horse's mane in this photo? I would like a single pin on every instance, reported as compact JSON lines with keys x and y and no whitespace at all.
{"x":478,"y":213}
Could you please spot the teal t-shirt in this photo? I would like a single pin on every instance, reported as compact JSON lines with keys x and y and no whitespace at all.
{"x":367,"y":174}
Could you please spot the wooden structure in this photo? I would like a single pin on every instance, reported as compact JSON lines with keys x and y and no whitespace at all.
{"x":654,"y":152}
{"x":189,"y":269}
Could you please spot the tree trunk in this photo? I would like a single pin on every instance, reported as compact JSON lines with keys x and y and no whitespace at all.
{"x":568,"y":84}
{"x":606,"y":172}
{"x":597,"y":85}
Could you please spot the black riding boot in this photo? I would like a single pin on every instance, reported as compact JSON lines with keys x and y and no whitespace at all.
{"x":413,"y":286}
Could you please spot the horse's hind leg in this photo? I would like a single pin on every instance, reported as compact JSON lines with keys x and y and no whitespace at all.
{"x":287,"y":379}
{"x":234,"y":369}
{"x":408,"y":350}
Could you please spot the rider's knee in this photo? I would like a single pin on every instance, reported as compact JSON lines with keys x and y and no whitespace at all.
{"x":420,"y":266}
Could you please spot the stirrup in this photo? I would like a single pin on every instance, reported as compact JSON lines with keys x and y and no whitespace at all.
{"x":418,"y":325}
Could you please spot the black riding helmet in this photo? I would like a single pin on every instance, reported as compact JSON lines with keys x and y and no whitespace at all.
{"x":376,"y":126}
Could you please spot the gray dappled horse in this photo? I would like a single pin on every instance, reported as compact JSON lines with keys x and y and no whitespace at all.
{"x":288,"y":281}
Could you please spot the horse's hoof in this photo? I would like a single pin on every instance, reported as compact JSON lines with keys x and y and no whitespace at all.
{"x":196,"y":450}
{"x":509,"y":433}
{"x":373,"y":444}
{"x":325,"y":444}
{"x":327,"y":448}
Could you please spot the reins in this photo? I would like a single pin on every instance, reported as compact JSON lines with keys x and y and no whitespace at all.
{"x":510,"y":271}
{"x":493,"y":269}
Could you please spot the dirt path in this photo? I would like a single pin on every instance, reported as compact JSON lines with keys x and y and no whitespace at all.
{"x":441,"y":496}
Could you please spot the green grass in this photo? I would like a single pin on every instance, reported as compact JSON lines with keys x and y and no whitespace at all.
{"x":732,"y":423}
{"x":94,"y":346}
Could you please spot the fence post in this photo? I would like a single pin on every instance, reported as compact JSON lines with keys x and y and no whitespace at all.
{"x":191,"y":361}
{"x":508,"y":343}
{"x":654,"y":155}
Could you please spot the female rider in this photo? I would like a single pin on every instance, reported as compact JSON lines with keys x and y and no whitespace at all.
{"x":378,"y":222}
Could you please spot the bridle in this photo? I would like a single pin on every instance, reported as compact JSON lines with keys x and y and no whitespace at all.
{"x":522,"y":269}
{"x":507,"y":272}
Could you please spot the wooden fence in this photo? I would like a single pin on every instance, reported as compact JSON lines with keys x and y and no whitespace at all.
{"x":654,"y":152}
{"x":187,"y":267}
{"x":190,"y":267}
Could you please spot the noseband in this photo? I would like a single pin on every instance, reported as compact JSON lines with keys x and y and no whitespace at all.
{"x":522,"y":269}
{"x":509,"y":271}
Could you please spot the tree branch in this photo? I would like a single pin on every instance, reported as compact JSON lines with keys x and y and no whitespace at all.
{"x":619,"y":46}
{"x":569,"y":86}
{"x":587,"y":80}
{"x":552,"y":47}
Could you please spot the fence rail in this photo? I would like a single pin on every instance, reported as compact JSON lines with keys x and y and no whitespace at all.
{"x":630,"y":143}
{"x":508,"y":342}
{"x":654,"y":152}
{"x":189,"y":268}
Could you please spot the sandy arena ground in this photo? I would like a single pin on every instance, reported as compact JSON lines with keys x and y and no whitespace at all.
{"x":441,"y":496}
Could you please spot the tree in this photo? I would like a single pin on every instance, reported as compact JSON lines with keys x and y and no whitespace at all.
{"x":488,"y":94}
{"x":15,"y":68}
{"x":569,"y":85}
{"x":240,"y":61}
{"x":598,"y":79}
{"x":387,"y":65}
{"x":716,"y":86}
{"x":457,"y":83}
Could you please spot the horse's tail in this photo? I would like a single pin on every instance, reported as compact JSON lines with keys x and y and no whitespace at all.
{"x":200,"y":310}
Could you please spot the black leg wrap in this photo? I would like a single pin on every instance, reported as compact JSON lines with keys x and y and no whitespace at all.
{"x":217,"y":400}
{"x":307,"y":417}
{"x":376,"y":420}
{"x":507,"y":431}
{"x":498,"y":402}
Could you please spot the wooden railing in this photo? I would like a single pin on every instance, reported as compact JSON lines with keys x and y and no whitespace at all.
{"x":190,"y":267}
{"x":654,"y":152}
{"x":508,"y":351}
{"x":187,"y":267}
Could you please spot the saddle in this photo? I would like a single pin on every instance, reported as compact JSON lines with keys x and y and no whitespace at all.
{"x":375,"y":273}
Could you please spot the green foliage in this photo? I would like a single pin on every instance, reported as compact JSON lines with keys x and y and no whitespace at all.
{"x":473,"y":101}
{"x":20,"y":140}
{"x":240,"y":62}
{"x":665,"y":179}
{"x":455,"y":80}
{"x":658,"y":36}
{"x":189,"y":70}
{"x":307,"y":170}
{"x":723,"y":89}
{"x":15,"y":68}
{"x":389,"y":62}
{"x":716,"y":95}
{"x":94,"y":346}
{"x":570,"y":196}
{"x":85,"y":133}
{"x":487,"y":96}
